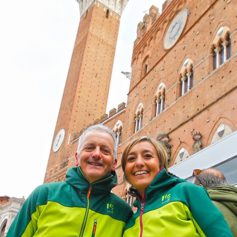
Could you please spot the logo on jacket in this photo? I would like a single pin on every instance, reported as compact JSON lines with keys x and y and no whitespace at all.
{"x":110,"y":208}
{"x":166,"y":198}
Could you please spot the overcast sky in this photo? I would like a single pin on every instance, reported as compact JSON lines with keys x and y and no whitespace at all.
{"x":36,"y":43}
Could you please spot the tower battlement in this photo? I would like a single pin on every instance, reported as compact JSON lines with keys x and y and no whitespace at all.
{"x":116,"y":5}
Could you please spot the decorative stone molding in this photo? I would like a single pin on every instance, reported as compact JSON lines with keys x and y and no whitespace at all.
{"x":165,"y":140}
{"x":197,"y":137}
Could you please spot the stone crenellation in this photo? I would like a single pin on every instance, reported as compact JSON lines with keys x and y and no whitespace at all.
{"x":116,"y":6}
{"x":147,"y":22}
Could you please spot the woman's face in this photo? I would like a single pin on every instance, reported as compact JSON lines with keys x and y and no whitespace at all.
{"x":142,"y":165}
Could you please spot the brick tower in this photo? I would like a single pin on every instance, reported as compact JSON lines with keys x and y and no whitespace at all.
{"x":86,"y":91}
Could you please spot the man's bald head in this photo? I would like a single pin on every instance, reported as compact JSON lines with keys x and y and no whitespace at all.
{"x":210,"y":178}
{"x":214,"y":172}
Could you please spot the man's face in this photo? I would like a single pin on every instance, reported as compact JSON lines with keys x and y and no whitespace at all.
{"x":96,"y":155}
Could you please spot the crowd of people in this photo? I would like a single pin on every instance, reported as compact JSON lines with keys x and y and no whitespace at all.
{"x":166,"y":205}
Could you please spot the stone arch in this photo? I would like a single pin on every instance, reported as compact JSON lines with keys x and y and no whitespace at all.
{"x":221,"y":35}
{"x":118,"y":125}
{"x":221,"y":47}
{"x":160,"y":90}
{"x":138,"y":117}
{"x":159,"y":99}
{"x":3,"y":227}
{"x":180,"y":154}
{"x":139,"y":109}
{"x":118,"y":131}
{"x":221,"y":128}
{"x":186,"y":78}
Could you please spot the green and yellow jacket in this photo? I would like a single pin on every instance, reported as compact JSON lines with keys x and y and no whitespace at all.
{"x":174,"y":207}
{"x":74,"y":208}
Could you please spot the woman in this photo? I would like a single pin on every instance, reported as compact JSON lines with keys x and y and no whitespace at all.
{"x":167,"y":205}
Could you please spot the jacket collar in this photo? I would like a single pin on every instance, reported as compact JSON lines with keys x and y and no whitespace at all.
{"x":160,"y":184}
{"x":75,"y":177}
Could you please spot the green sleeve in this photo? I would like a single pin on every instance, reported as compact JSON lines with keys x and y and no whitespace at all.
{"x":24,"y":224}
{"x":205,"y":213}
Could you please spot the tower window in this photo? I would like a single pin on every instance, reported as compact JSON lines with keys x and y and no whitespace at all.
{"x":118,"y":131}
{"x":138,"y":122}
{"x":144,"y":67}
{"x":138,"y":118}
{"x":107,"y":13}
{"x":186,"y":77}
{"x":186,"y":83}
{"x":160,"y":99}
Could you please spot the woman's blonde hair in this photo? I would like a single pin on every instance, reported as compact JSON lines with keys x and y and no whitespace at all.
{"x":159,"y":147}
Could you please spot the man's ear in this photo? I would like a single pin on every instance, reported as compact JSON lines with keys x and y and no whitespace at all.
{"x":76,"y":159}
{"x":114,"y":164}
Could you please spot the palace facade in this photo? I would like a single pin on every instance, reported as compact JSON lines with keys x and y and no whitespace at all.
{"x":183,"y":85}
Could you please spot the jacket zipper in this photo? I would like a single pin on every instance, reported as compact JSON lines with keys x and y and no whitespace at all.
{"x":86,"y":214}
{"x":94,"y":228}
{"x":87,"y":209}
{"x":141,"y":213}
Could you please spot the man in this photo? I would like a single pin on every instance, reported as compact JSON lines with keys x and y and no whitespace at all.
{"x":83,"y":205}
{"x":224,"y":196}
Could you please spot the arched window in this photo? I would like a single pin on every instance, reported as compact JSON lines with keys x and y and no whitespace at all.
{"x":107,"y":13}
{"x":186,"y":77}
{"x":222,"y":54}
{"x":214,"y":58}
{"x":182,"y":155}
{"x":160,"y":99}
{"x":221,"y":48}
{"x":145,"y":67}
{"x":222,"y":131}
{"x":228,"y":46}
{"x":118,"y":131}
{"x":138,"y":117}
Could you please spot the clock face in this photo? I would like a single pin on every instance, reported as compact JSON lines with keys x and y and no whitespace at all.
{"x":175,"y":29}
{"x":58,"y":140}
